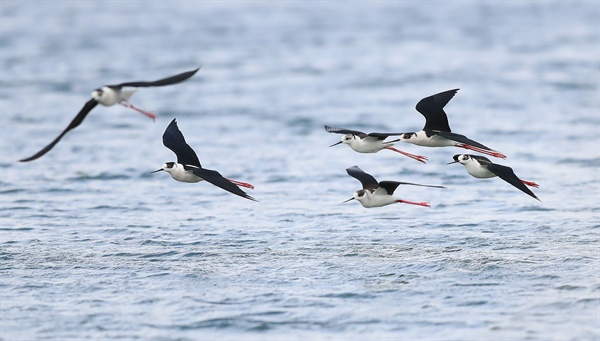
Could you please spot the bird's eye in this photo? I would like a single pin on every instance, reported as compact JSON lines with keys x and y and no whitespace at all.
{"x":407,"y":135}
{"x":465,"y":157}
{"x":100,"y":91}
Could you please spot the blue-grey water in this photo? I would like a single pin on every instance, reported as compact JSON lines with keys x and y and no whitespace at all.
{"x":93,"y":246}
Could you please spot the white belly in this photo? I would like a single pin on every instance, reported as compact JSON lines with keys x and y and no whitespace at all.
{"x":421,"y":139}
{"x":479,"y":172}
{"x":183,"y":175}
{"x":377,"y":200}
{"x":368,"y":147}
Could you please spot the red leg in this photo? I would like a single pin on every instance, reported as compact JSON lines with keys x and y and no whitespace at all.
{"x":412,"y":156}
{"x":484,"y":151}
{"x":530,"y":183}
{"x":243,"y":184}
{"x":413,"y":203}
{"x":131,"y":106}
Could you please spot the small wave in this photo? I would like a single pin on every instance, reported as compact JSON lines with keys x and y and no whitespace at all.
{"x":476,"y":284}
{"x":16,"y":229}
{"x":159,"y":255}
{"x":348,"y":295}
{"x":101,"y":176}
{"x":569,"y":287}
{"x":12,"y":191}
{"x":105,"y":207}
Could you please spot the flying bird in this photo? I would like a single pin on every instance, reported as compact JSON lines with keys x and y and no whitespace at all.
{"x":482,"y":168}
{"x":109,"y":95}
{"x":369,"y":143}
{"x":188,"y":168}
{"x":377,"y":194}
{"x":436,"y":132}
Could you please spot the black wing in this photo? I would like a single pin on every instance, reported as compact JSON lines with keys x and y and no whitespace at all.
{"x":383,"y":136}
{"x":367,"y":180}
{"x":432,"y":108}
{"x":345,"y":131}
{"x":461,"y":139}
{"x":506,"y":173}
{"x":378,"y":136}
{"x":161,"y":82}
{"x":484,"y":161}
{"x":174,"y":140}
{"x":74,"y":123}
{"x":218,"y":180}
{"x":390,"y":186}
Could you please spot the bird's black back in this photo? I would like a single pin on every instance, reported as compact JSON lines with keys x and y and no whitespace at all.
{"x":484,"y":161}
{"x":390,"y":186}
{"x":362,"y":135}
{"x":461,"y":139}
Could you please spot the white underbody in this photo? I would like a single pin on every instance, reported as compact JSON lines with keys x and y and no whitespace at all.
{"x":421,"y":139}
{"x":179,"y":173}
{"x":111,"y":96}
{"x":366,"y":146}
{"x":376,"y":199}
{"x":478,"y":171}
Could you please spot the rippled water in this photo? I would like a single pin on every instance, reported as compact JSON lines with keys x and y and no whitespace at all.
{"x":94,"y":246}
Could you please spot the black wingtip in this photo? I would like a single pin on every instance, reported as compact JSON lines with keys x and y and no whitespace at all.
{"x":27,"y":159}
{"x":534,"y":196}
{"x":251,"y":198}
{"x":172,"y":127}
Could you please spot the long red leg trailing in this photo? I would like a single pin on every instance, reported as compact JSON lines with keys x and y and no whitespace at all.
{"x":243,"y":184}
{"x":412,"y":156}
{"x":530,"y":183}
{"x":131,"y":106}
{"x":402,"y":201}
{"x":483,"y":151}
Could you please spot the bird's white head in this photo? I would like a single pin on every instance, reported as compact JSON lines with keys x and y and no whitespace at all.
{"x":359,"y":195}
{"x":100,"y":93}
{"x":110,"y":96}
{"x":463,"y":159}
{"x":106,"y":96}
{"x":167,"y":167}
{"x":347,"y":139}
{"x":407,"y":137}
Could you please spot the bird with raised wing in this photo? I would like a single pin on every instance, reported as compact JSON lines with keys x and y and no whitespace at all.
{"x":377,"y":194}
{"x":188,"y":168}
{"x":436,"y":132}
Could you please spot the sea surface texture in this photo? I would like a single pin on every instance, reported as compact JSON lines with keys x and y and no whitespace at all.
{"x":95,"y":246}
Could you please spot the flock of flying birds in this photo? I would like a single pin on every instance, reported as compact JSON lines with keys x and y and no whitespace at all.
{"x":435,"y":133}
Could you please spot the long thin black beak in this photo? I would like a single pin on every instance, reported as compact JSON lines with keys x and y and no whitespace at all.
{"x":449,"y":163}
{"x":158,"y":170}
{"x":335,"y":144}
{"x":347,"y":200}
